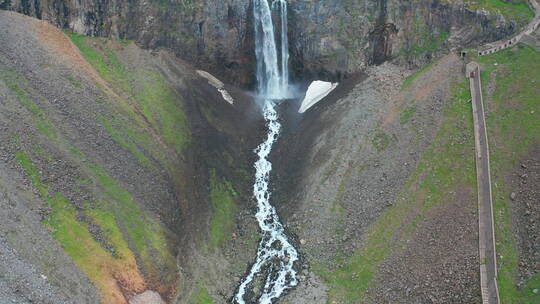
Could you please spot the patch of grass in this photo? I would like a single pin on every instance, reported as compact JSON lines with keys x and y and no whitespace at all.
{"x":513,"y":129}
{"x":202,"y":296}
{"x":518,"y":10}
{"x":406,"y":115}
{"x":83,"y":249}
{"x":32,"y":172}
{"x":428,"y":41}
{"x":124,"y":138}
{"x":409,"y":80}
{"x":381,"y":140}
{"x":154,"y":99}
{"x":100,"y":266}
{"x":14,"y":82}
{"x":447,"y":164}
{"x":74,"y":82}
{"x":163,"y":4}
{"x":145,"y":234}
{"x":222,"y":197}
{"x":337,"y":205}
{"x":75,"y":152}
{"x":163,"y":110}
{"x":92,"y":55}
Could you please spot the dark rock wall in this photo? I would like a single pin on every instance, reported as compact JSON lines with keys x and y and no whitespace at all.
{"x":211,"y":34}
{"x":329,"y":39}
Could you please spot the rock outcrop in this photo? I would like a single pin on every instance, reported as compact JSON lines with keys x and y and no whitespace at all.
{"x":333,"y":39}
{"x":213,"y":34}
{"x":329,"y":39}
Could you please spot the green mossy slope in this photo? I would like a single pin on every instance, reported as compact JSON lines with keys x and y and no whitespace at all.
{"x":514,"y":130}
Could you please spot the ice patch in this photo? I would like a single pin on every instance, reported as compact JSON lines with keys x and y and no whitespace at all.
{"x":316,"y":92}
{"x":216,"y":83}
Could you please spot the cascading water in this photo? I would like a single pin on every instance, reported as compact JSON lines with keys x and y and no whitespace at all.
{"x":282,"y":5}
{"x":276,"y":256}
{"x":273,"y":82}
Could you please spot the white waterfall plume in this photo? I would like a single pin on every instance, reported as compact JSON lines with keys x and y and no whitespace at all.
{"x":282,"y":6}
{"x":273,"y":81}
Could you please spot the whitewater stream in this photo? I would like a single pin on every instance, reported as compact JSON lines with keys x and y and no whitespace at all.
{"x":276,"y":256}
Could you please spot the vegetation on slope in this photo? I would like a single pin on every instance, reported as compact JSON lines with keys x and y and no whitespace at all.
{"x":120,"y":246}
{"x":447,"y":164}
{"x":518,"y":10}
{"x":222,"y":223}
{"x":152,"y":99}
{"x":514,"y":129}
{"x":409,"y":80}
{"x":428,"y":41}
{"x":202,"y":296}
{"x":149,"y":101}
{"x":108,"y":259}
{"x":101,"y":265}
{"x":14,"y":81}
{"x":406,"y":114}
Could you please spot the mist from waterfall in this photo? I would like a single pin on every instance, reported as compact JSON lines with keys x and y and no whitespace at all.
{"x":276,"y":256}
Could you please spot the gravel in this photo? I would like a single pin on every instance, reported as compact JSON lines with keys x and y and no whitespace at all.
{"x":33,"y":266}
{"x":336,"y":180}
{"x":524,"y":182}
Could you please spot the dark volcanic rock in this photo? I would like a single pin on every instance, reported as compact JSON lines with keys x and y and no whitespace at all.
{"x":329,"y":39}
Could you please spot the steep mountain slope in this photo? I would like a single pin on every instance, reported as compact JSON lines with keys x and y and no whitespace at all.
{"x":511,"y":85}
{"x":382,"y":163}
{"x":114,"y":150}
{"x":379,"y":184}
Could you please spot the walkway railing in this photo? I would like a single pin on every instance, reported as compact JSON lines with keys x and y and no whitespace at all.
{"x":486,"y":226}
{"x":529,"y":29}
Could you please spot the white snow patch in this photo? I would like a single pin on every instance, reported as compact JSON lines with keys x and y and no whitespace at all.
{"x":147,"y":297}
{"x":216,"y":83}
{"x":316,"y":92}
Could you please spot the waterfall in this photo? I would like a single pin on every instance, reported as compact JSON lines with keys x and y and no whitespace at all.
{"x":272,"y":81}
{"x":284,"y":45}
{"x":276,"y":256}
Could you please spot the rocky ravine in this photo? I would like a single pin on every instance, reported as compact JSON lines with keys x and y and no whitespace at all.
{"x":101,"y":132}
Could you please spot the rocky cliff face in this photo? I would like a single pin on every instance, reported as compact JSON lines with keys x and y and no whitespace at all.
{"x":330,"y":39}
{"x":209,"y":33}
{"x":342,"y":37}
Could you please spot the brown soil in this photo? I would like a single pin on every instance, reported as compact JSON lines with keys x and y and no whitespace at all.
{"x":64,"y":49}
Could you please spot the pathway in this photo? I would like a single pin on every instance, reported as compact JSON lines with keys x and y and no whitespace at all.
{"x":493,"y":47}
{"x":486,"y":229}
